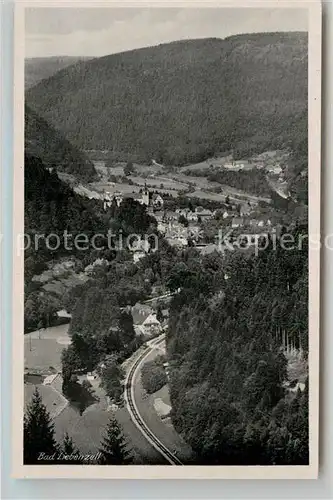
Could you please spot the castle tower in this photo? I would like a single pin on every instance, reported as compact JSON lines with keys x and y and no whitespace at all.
{"x":145,"y":196}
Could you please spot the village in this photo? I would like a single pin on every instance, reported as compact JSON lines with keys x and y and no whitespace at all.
{"x":189,"y":227}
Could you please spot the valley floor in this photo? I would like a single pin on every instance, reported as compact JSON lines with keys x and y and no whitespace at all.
{"x":43,"y":357}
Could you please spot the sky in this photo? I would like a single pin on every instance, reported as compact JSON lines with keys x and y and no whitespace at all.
{"x":102,"y":31}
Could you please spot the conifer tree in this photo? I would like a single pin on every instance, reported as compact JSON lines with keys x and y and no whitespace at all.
{"x":68,"y":445}
{"x":38,"y":433}
{"x":159,"y":313}
{"x":113,"y":446}
{"x":126,"y":327}
{"x":70,"y":454}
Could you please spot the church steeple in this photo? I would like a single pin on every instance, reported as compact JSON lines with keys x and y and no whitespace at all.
{"x":145,"y":196}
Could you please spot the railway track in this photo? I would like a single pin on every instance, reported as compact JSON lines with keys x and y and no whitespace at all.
{"x":136,"y":417}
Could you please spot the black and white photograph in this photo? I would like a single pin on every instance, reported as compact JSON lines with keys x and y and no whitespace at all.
{"x":168,"y":270}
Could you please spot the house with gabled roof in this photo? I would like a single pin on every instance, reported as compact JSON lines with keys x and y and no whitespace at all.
{"x":237,"y":222}
{"x":203,"y":213}
{"x":157,"y":200}
{"x":145,"y":321}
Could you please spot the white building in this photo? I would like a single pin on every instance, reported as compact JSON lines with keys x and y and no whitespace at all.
{"x":203,"y":213}
{"x":237,"y":222}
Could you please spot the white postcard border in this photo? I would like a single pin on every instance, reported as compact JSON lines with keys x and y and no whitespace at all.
{"x":19,"y":470}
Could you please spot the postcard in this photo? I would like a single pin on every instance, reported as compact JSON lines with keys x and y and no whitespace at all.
{"x":167,"y":239}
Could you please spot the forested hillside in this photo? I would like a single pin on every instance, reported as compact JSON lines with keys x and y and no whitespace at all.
{"x":52,"y":207}
{"x":297,"y":174}
{"x":102,"y":328}
{"x":47,"y":143}
{"x":184,"y":101}
{"x":38,"y":68}
{"x":228,"y":331}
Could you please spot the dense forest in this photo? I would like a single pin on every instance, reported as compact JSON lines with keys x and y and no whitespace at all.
{"x":297,"y":172}
{"x":184,"y":101}
{"x":101,"y":326}
{"x":47,"y":143}
{"x":230,"y":328}
{"x":228,"y":331}
{"x":51,"y":207}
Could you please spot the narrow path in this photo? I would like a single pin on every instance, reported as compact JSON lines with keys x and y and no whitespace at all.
{"x":166,"y":295}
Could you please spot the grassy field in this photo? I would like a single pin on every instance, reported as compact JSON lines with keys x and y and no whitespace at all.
{"x":87,"y":429}
{"x":200,"y":182}
{"x":208,"y":196}
{"x":118,"y":169}
{"x":173,"y":182}
{"x":52,"y":399}
{"x":114,"y":187}
{"x":168,"y":184}
{"x":42,"y":349}
{"x":148,"y":169}
{"x":216,"y":162}
{"x":127,"y":188}
{"x":43,"y":353}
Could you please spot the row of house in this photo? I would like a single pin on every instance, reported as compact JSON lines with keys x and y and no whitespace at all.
{"x":199,"y":213}
{"x":202,"y":214}
{"x":245,"y":222}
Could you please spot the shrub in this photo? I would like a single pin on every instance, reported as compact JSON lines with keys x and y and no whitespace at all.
{"x":153,"y":375}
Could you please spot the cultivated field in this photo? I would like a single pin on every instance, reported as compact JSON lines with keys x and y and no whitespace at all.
{"x":215,"y":162}
{"x":173,"y":182}
{"x":112,"y":188}
{"x":118,"y":168}
{"x":156,"y":182}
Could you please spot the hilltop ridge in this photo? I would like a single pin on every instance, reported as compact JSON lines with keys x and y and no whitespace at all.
{"x":183,"y":101}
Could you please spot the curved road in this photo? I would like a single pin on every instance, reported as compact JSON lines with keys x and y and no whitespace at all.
{"x":134,"y":412}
